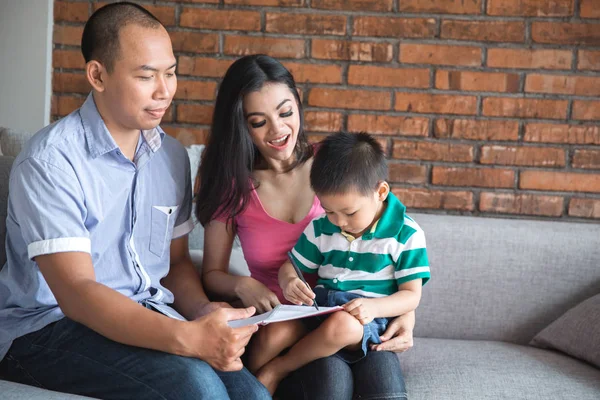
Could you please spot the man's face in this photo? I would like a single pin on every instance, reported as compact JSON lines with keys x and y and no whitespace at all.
{"x":142,"y":83}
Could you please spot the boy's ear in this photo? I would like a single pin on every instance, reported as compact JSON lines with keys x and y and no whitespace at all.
{"x":95,"y":72}
{"x":383,"y":189}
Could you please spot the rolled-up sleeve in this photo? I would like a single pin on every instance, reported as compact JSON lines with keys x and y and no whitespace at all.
{"x":49,"y":206}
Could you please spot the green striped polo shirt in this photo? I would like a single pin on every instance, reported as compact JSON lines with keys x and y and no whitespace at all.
{"x":372,"y":265}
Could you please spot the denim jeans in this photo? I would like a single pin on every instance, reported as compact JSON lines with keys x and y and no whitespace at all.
{"x":68,"y":357}
{"x":376,"y":377}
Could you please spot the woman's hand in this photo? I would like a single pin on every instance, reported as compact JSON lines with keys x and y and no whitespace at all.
{"x":398,"y":336}
{"x":255,"y":294}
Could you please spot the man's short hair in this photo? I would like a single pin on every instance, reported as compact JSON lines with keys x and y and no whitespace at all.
{"x":100,"y":40}
{"x":346,"y":162}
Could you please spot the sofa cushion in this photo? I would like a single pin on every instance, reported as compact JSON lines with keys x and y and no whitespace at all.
{"x":12,"y":140}
{"x":576,"y":333}
{"x":16,"y":391}
{"x":436,"y":369}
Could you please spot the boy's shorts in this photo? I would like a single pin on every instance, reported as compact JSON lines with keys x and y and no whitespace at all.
{"x":372,"y":331}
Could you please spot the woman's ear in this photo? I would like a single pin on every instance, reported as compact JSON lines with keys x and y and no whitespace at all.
{"x":95,"y":73}
{"x":383,"y":189}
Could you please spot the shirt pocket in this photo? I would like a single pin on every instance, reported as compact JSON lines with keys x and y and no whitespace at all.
{"x":163,"y":219}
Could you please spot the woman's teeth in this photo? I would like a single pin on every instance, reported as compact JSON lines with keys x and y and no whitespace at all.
{"x":280,"y":141}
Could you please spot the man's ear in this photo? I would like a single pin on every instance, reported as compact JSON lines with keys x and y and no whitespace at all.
{"x":383,"y":189}
{"x":95,"y":74}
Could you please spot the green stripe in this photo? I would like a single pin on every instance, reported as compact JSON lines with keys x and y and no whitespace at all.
{"x":405,"y":233}
{"x":367,"y":262}
{"x":420,"y":275}
{"x":308,"y":250}
{"x":413,"y":258}
{"x":385,"y":287}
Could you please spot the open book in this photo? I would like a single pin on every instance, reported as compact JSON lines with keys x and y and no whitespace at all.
{"x":283,"y":313}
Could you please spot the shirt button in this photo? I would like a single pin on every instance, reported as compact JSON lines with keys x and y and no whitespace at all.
{"x":335,"y":280}
{"x":351,"y":259}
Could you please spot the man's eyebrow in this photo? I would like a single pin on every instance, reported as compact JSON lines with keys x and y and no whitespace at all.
{"x":149,"y":68}
{"x":261,"y":113}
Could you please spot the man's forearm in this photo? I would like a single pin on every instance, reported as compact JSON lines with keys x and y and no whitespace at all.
{"x":185,"y":284}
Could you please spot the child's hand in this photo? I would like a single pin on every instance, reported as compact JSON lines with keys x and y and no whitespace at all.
{"x":296,"y":292}
{"x":362,"y":309}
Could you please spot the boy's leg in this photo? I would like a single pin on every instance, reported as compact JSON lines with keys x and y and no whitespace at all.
{"x":271,"y":340}
{"x":378,"y":376}
{"x":69,"y":357}
{"x":338,"y":331}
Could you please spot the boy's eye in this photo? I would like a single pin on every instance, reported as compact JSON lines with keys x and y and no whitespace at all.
{"x":258,"y":124}
{"x":351,"y":214}
{"x":286,"y":114}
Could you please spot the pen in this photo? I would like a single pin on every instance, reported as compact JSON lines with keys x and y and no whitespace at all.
{"x":299,"y":272}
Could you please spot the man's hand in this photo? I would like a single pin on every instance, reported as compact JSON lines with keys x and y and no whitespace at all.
{"x":297,"y":292}
{"x":362,"y":309}
{"x":398,"y":336}
{"x":215,"y":342}
{"x":255,"y":294}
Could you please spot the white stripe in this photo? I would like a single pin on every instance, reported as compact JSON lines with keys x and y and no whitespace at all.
{"x":183,"y":229}
{"x":304,"y":261}
{"x":345,"y":274}
{"x":415,"y":241}
{"x":367,"y":294}
{"x":60,"y":245}
{"x":410,"y":271}
{"x":337,"y":241}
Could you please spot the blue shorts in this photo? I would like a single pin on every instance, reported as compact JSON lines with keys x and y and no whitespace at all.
{"x":372,"y":331}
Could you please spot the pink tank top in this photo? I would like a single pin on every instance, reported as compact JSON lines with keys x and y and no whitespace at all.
{"x":266,"y":240}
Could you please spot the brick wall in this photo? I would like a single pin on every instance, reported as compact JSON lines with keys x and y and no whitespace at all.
{"x":484,"y":106}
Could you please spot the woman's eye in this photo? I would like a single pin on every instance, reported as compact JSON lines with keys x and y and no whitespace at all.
{"x":286,"y":114}
{"x":258,"y":124}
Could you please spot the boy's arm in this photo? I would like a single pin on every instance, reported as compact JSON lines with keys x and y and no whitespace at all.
{"x":294,"y":290}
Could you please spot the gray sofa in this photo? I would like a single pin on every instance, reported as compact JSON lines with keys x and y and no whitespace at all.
{"x":496,"y":283}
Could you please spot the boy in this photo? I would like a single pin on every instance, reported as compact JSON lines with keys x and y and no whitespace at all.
{"x":370,"y":257}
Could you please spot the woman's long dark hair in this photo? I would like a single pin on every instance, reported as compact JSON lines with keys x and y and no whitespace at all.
{"x":230,"y":155}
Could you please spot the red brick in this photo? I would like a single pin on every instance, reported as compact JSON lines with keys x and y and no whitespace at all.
{"x":70,"y":83}
{"x":588,"y":60}
{"x":275,"y":3}
{"x":194,"y":114}
{"x":476,"y":129}
{"x":72,"y":59}
{"x":407,"y":173}
{"x":524,"y":204}
{"x":275,"y":47}
{"x":318,"y":73}
{"x":67,"y":35}
{"x":186,"y":135}
{"x":351,"y":50}
{"x":435,"y":103}
{"x":203,"y":18}
{"x":563,"y":84}
{"x":559,"y":181}
{"x":202,"y":66}
{"x":432,"y":151}
{"x":390,"y":77}
{"x":353,"y":5}
{"x":562,"y":133}
{"x":530,"y":8}
{"x":440,"y":54}
{"x":477,"y":81}
{"x":586,"y":110}
{"x":441,"y":6}
{"x":394,"y":27}
{"x":168,"y":117}
{"x":306,"y":24}
{"x":586,"y":208}
{"x":488,"y":31}
{"x":435,"y":199}
{"x":388,"y":125}
{"x":71,"y":12}
{"x":523,"y":156}
{"x":586,"y":159}
{"x":194,"y":1}
{"x":589,"y":9}
{"x":529,"y":58}
{"x":473,"y":177}
{"x":323,"y":121}
{"x":195,"y":90}
{"x":354,"y":99}
{"x":195,"y":42}
{"x":64,"y":105}
{"x":525,"y":108}
{"x":565,"y":33}
{"x":165,"y":14}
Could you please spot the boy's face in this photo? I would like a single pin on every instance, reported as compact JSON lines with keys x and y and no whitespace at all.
{"x":354,"y":212}
{"x":142,"y":83}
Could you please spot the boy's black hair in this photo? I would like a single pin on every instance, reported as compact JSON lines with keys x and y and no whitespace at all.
{"x":346,"y":162}
{"x":100,"y":39}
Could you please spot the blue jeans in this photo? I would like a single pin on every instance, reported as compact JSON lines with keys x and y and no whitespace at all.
{"x":68,"y":357}
{"x":375,"y":377}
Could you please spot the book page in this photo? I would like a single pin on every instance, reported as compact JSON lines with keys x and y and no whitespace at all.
{"x":283,"y":313}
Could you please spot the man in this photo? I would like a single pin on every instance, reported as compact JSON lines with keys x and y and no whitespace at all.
{"x":98,"y":216}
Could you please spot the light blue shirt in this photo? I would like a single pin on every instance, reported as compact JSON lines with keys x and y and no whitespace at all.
{"x":71,"y":189}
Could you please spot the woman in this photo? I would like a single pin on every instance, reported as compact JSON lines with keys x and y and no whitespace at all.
{"x":255,"y":183}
